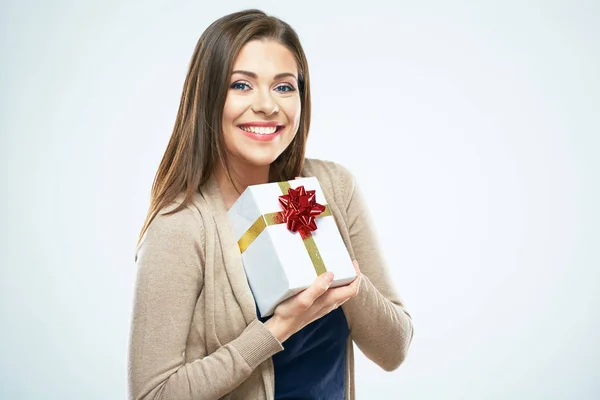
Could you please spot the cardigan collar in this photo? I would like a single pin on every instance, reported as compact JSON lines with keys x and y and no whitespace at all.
{"x":231,"y":254}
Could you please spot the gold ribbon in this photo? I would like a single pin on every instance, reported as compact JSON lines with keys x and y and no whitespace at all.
{"x":272,"y":219}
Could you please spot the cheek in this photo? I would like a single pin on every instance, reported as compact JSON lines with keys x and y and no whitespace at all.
{"x":293,"y":112}
{"x":234,"y":107}
{"x":230,"y":114}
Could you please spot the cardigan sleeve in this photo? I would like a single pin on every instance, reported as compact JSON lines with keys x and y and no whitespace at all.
{"x":169,"y":280}
{"x":380,"y":325}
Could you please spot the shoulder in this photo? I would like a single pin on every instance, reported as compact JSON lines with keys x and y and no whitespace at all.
{"x":175,"y":227}
{"x":333,"y":177}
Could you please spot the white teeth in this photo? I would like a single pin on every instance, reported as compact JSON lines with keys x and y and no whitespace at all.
{"x":260,"y":130}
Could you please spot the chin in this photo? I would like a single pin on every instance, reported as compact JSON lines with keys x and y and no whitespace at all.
{"x":259,"y":160}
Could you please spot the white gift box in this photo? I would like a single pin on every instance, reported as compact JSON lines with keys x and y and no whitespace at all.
{"x":279,"y":263}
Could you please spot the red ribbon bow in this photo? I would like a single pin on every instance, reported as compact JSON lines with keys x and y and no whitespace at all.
{"x":300,"y":208}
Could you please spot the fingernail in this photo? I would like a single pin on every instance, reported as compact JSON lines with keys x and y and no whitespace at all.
{"x":329,"y":276}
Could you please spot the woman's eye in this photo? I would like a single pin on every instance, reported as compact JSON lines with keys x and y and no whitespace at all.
{"x":285,"y":88}
{"x":240,"y":86}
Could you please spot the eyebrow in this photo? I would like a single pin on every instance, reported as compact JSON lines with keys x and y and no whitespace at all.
{"x":254,"y":76}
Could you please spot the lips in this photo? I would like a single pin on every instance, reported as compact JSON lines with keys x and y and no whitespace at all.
{"x":261,"y":130}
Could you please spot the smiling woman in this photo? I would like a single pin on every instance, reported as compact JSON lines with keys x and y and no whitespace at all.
{"x":243,"y":119}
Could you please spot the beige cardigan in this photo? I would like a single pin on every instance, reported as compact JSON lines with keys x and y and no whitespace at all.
{"x":195,"y":333}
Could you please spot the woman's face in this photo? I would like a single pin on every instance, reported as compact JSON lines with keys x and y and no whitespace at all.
{"x":262,"y":108}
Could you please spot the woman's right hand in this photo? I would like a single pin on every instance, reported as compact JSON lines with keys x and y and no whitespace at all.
{"x":311,"y":304}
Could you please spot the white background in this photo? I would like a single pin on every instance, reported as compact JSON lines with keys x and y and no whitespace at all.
{"x":472,"y":128}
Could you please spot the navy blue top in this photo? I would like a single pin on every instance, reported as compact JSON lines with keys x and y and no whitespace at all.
{"x":313,"y":362}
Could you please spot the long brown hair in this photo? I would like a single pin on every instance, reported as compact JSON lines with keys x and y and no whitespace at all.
{"x":196,"y":144}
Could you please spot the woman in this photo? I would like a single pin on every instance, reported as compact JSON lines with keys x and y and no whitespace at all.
{"x":243,"y":119}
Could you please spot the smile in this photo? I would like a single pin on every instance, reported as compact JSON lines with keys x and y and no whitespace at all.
{"x":261,"y":132}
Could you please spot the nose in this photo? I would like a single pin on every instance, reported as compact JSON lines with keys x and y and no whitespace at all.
{"x":264,"y":102}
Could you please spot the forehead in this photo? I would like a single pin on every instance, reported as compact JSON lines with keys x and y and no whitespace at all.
{"x":266,"y":58}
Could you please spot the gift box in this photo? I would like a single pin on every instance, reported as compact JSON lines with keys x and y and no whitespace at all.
{"x":287,"y":237}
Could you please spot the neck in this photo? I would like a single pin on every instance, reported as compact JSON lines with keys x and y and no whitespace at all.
{"x":242,"y":176}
